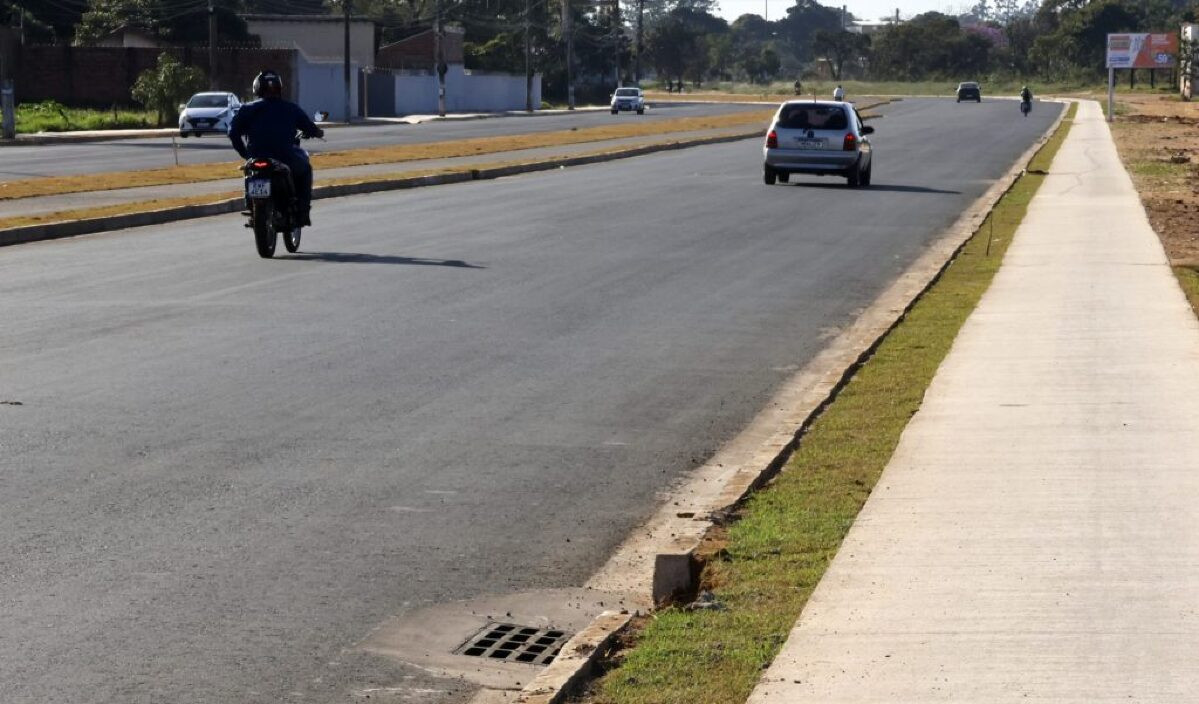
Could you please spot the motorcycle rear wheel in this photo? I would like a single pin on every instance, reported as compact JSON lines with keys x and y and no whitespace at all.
{"x":263,"y":218}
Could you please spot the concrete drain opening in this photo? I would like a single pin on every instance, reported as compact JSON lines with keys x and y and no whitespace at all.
{"x":513,"y":643}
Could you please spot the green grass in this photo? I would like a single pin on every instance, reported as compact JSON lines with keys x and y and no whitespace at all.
{"x":1188,"y":278}
{"x":788,"y":533}
{"x":53,"y":117}
{"x":1159,"y":169}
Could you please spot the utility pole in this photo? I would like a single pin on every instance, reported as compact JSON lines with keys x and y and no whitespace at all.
{"x":640,"y":27}
{"x":528,"y":62}
{"x":568,"y":32}
{"x":616,"y":38}
{"x":212,"y":84}
{"x":345,"y":6}
{"x":439,"y":57}
{"x":7,"y":103}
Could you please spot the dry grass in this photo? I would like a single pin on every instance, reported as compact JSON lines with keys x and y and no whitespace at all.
{"x":62,"y":185}
{"x":1158,"y":142}
{"x":165,"y":203}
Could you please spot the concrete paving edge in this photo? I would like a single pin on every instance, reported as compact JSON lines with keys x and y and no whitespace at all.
{"x":73,"y":228}
{"x":576,"y":661}
{"x":84,"y":137}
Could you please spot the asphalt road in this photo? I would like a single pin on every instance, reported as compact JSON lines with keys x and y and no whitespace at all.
{"x":131,"y":154}
{"x":224,"y":471}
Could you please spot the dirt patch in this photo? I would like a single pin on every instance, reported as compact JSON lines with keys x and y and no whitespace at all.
{"x":1159,"y":144}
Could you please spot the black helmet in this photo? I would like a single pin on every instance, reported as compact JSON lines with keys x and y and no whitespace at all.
{"x":268,"y":84}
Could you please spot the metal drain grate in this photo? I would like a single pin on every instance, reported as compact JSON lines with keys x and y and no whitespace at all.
{"x":513,"y":643}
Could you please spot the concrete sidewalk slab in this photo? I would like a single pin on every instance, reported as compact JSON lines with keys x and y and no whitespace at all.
{"x":1035,"y":536}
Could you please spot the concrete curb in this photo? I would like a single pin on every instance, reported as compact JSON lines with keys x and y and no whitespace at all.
{"x":72,"y":228}
{"x":90,"y":136}
{"x":577,"y":660}
{"x":677,"y":567}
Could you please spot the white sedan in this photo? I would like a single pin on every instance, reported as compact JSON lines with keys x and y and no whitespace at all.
{"x":208,"y":113}
{"x":628,"y":99}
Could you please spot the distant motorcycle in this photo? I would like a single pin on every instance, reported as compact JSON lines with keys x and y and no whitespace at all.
{"x":1026,"y":107}
{"x":271,"y":205}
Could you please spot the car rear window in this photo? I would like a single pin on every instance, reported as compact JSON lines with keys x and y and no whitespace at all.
{"x":813,"y":117}
{"x":627,"y":92}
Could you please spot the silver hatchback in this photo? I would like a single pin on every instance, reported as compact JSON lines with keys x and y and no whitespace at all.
{"x":826,"y":138}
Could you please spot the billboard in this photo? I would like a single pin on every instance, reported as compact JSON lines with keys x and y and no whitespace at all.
{"x":1142,"y":50}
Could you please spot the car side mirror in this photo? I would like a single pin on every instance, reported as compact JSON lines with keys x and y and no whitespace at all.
{"x":867,"y":129}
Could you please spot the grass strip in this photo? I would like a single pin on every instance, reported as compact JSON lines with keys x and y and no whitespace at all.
{"x":1188,"y":278}
{"x":192,"y":173}
{"x":787,"y":534}
{"x":165,"y":203}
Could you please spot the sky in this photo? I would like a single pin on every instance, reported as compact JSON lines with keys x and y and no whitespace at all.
{"x":870,"y":10}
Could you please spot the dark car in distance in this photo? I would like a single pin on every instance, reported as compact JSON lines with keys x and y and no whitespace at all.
{"x":970,"y":91}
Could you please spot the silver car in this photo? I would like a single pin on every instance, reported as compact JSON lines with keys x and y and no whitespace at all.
{"x":208,"y":113}
{"x":820,"y":137}
{"x":628,"y":99}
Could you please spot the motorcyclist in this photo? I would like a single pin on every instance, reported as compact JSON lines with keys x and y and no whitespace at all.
{"x":839,"y":93}
{"x":266,"y":129}
{"x":1025,"y":95}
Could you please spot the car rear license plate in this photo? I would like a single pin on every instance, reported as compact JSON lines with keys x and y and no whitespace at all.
{"x":810,"y":143}
{"x":259,"y":188}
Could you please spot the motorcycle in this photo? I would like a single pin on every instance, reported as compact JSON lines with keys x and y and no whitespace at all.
{"x":1025,"y":107}
{"x":271,"y":205}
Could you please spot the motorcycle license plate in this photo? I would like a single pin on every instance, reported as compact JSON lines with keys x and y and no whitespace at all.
{"x":258,"y":188}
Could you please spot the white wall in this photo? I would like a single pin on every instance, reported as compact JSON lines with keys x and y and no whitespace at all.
{"x":320,"y":38}
{"x":416,"y":93}
{"x":321,"y":86}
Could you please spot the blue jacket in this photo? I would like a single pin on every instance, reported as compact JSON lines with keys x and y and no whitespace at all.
{"x":270,"y":125}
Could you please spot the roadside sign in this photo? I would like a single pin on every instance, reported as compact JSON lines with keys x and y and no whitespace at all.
{"x":1142,"y":50}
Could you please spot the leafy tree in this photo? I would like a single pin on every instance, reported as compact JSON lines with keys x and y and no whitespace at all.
{"x":169,"y":20}
{"x":162,"y":88}
{"x":804,"y":19}
{"x":839,"y":47}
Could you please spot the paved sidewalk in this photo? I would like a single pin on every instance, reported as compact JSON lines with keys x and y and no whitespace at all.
{"x":1036,"y":535}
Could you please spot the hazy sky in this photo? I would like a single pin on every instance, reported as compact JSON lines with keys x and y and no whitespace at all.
{"x":862,"y":9}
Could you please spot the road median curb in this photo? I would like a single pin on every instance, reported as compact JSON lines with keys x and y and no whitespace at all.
{"x":87,"y":226}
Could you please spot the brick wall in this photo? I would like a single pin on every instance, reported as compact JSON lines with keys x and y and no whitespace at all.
{"x":103,"y":76}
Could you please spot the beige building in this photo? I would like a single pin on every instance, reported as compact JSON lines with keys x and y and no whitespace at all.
{"x":316,"y":36}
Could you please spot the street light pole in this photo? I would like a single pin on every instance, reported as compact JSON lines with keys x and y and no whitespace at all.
{"x":439,"y":57}
{"x":568,"y":32}
{"x":528,"y":62}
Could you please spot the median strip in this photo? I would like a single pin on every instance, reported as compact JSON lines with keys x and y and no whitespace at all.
{"x":400,"y":153}
{"x":82,"y":221}
{"x":761,"y":566}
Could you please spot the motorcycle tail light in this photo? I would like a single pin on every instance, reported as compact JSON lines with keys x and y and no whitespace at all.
{"x":261,"y":164}
{"x":772,"y":140}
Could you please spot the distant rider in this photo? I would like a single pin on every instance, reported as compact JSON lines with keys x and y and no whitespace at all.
{"x":266,"y":129}
{"x":839,"y":93}
{"x":1025,"y":95}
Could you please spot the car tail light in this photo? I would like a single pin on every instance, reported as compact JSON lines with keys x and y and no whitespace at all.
{"x":261,"y":164}
{"x":772,"y":140}
{"x":851,"y":142}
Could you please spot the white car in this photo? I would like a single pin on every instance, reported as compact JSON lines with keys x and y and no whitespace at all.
{"x":208,"y":113}
{"x":628,"y":99}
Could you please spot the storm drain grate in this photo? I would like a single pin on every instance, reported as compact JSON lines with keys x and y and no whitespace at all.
{"x":513,"y":643}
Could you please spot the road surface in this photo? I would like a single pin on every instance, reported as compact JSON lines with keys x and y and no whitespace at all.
{"x":225,"y":471}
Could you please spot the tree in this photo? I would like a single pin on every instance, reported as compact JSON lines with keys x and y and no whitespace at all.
{"x":163,"y":87}
{"x":839,"y":47}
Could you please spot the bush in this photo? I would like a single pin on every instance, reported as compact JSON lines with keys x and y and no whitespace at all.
{"x":162,"y":88}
